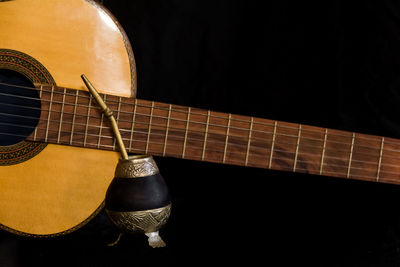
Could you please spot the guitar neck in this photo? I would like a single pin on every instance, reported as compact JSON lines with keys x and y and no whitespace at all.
{"x":70,"y":117}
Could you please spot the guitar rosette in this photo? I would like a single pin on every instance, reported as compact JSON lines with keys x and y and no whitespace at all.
{"x":137,"y":200}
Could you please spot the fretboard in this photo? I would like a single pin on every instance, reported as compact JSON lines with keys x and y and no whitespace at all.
{"x":71,"y":117}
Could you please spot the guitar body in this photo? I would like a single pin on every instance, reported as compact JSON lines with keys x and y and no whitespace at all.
{"x":55,"y":41}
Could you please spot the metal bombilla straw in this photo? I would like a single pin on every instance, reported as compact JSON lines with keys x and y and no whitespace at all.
{"x":137,"y":200}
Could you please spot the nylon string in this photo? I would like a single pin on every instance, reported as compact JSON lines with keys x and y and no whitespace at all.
{"x":182,"y":120}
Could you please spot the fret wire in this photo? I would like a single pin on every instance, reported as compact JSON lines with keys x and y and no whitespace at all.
{"x":205,"y":135}
{"x":166,"y":130}
{"x":266,"y":124}
{"x":161,"y":108}
{"x":323,"y":151}
{"x":149,"y":132}
{"x":280,"y":134}
{"x":368,"y":139}
{"x":101,"y":124}
{"x":118,"y":112}
{"x":96,"y":126}
{"x":73,"y":117}
{"x":248,"y":142}
{"x":373,"y":139}
{"x":186,"y":133}
{"x":226,"y":138}
{"x":154,"y":116}
{"x":259,"y":156}
{"x":177,"y":136}
{"x":272,"y":145}
{"x":260,"y":139}
{"x":238,"y":152}
{"x":133,"y":125}
{"x":61,"y":119}
{"x":40,"y":96}
{"x":351,"y":155}
{"x":177,"y":155}
{"x":255,"y":131}
{"x":142,"y":105}
{"x":266,"y":132}
{"x":87,"y":121}
{"x":215,"y":141}
{"x":161,"y":117}
{"x":297,"y":148}
{"x":31,"y":88}
{"x":48,"y":115}
{"x":365,"y":138}
{"x":298,"y":169}
{"x":380,"y":159}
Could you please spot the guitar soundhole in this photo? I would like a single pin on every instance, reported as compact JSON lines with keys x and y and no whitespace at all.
{"x":19,"y":107}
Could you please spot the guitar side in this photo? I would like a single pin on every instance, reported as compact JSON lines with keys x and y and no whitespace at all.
{"x":62,"y":187}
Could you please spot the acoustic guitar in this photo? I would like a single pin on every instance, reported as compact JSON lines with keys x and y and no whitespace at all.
{"x":58,"y":154}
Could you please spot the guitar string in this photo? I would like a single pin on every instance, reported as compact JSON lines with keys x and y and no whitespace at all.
{"x":175,"y":128}
{"x":210,"y":124}
{"x":162,"y":135}
{"x":215,"y":125}
{"x":244,"y":129}
{"x":137,"y":122}
{"x":222,"y":126}
{"x":146,"y":132}
{"x":193,"y":139}
{"x":181,"y":111}
{"x":85,"y":116}
{"x":126,"y":112}
{"x":232,"y":161}
{"x":234,"y":119}
{"x":287,"y":152}
{"x":148,"y":115}
{"x":178,"y":137}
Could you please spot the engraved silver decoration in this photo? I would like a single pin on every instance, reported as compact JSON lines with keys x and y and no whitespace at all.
{"x":136,"y":167}
{"x":144,"y":221}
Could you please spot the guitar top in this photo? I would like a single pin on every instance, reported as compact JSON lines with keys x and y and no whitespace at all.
{"x":53,"y":43}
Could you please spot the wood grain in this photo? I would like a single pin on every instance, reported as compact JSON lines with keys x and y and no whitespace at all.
{"x":71,"y":39}
{"x":190,"y":133}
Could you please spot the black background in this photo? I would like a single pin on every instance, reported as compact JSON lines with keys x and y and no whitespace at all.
{"x":326,"y":63}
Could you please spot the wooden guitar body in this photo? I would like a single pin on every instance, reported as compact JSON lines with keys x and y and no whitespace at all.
{"x":62,"y":187}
